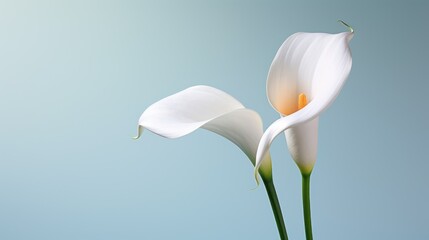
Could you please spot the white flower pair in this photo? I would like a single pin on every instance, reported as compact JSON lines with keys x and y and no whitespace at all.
{"x":305,"y":77}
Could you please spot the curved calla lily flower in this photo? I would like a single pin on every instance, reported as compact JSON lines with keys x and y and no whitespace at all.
{"x":212,"y":109}
{"x":209,"y":108}
{"x":308,"y":67}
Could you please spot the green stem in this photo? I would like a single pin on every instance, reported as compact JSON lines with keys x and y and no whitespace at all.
{"x":275,"y":205}
{"x":306,"y":205}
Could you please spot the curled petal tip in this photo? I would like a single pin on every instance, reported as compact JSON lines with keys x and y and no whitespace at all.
{"x":256,"y":178}
{"x":348,"y":26}
{"x":139,"y":132}
{"x":253,"y":189}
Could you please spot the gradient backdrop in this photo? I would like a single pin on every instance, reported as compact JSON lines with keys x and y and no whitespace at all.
{"x":76,"y":75}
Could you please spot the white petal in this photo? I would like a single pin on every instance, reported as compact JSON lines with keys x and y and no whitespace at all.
{"x":186,"y":111}
{"x":209,"y":108}
{"x":318,"y":61}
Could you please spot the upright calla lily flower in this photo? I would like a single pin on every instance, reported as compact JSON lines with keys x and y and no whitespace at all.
{"x":212,"y":109}
{"x":305,"y":77}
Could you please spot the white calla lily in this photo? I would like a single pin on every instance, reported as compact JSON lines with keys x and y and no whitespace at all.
{"x":209,"y":108}
{"x":212,"y":109}
{"x":309,"y":67}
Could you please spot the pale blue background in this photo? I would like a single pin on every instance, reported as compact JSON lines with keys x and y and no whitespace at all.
{"x":76,"y":75}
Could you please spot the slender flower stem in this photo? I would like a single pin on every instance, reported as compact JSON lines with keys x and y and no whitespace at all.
{"x":275,"y":205}
{"x":306,"y":205}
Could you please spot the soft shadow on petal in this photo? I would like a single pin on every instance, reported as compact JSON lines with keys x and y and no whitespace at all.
{"x":242,"y":127}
